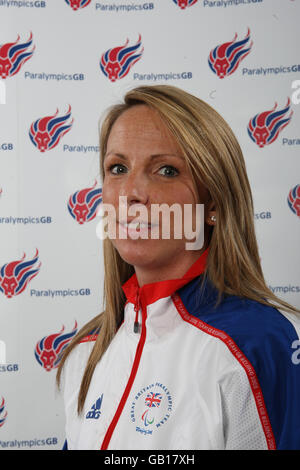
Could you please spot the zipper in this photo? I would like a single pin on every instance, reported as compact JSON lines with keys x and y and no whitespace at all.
{"x":136,"y":309}
{"x":133,"y":372}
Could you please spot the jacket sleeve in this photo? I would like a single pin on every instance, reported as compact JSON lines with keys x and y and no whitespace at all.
{"x":242,"y":427}
{"x":260,"y":395}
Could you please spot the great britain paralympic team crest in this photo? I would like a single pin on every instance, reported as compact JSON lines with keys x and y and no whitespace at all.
{"x":151,"y":408}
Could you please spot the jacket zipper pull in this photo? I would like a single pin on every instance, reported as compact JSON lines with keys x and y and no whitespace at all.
{"x":136,"y":321}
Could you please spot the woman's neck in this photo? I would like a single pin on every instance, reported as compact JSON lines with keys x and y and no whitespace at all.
{"x":175,"y":269}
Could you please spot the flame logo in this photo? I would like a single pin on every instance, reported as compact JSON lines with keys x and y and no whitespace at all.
{"x":225,"y":58}
{"x":15,"y":276}
{"x":49,"y":349}
{"x":116,"y":63}
{"x":45,"y":133}
{"x":78,"y":4}
{"x":13,"y":56}
{"x":294,"y":200}
{"x":3,"y":417}
{"x":185,"y":3}
{"x":264,"y":128}
{"x":83,"y":204}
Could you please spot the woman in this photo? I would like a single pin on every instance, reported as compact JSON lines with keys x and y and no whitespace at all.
{"x":191,"y":351}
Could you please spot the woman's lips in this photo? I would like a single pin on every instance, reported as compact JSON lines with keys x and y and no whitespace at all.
{"x":136,"y":228}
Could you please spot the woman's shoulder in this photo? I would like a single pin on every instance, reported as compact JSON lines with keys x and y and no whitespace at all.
{"x":262,"y":340}
{"x":77,"y":359}
{"x":250,"y":331}
{"x":83,"y":348}
{"x":255,"y":327}
{"x":246,"y":320}
{"x":250,"y":321}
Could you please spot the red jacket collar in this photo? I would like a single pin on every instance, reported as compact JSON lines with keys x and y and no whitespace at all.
{"x":157,"y":290}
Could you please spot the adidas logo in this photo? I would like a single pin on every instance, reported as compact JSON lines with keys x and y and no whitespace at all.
{"x":95,"y":412}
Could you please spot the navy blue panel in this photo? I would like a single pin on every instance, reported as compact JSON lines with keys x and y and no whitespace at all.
{"x":265,"y":336}
{"x":65,"y":447}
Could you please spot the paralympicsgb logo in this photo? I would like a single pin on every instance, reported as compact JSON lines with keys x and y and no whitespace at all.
{"x":294,"y":200}
{"x":265,"y":127}
{"x":3,"y":412}
{"x":83,"y":204}
{"x":15,"y":275}
{"x":46,"y":132}
{"x":116,"y":62}
{"x":225,"y":58}
{"x":77,"y":4}
{"x":13,"y":55}
{"x":183,"y":4}
{"x":49,"y":349}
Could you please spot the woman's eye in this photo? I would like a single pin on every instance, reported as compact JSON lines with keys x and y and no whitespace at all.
{"x":118,"y":169}
{"x":171,"y":170}
{"x":116,"y":165}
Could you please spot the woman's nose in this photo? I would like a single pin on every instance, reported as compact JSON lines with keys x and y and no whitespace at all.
{"x":136,"y":188}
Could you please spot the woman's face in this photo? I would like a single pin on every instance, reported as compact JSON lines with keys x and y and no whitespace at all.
{"x":144,"y":163}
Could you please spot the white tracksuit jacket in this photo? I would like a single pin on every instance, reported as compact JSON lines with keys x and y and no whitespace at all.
{"x":192,"y":377}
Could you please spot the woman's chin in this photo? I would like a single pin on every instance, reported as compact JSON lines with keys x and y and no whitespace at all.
{"x":148,"y":252}
{"x":136,"y":252}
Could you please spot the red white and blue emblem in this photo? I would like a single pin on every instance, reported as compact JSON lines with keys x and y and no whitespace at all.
{"x":153,"y":400}
{"x":13,"y":55}
{"x":294,"y":200}
{"x":3,"y":413}
{"x":115,"y":63}
{"x":265,"y":127}
{"x":225,"y":58}
{"x":15,"y":275}
{"x":83,"y":204}
{"x":151,"y":408}
{"x":49,"y":349}
{"x":185,"y":3}
{"x":77,"y":4}
{"x":46,"y":132}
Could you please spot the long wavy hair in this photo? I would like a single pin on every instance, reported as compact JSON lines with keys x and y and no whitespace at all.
{"x":215,"y":160}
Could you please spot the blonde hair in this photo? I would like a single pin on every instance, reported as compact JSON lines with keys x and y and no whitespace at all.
{"x":216,"y":161}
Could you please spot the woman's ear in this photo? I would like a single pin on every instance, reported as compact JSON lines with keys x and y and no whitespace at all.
{"x":211,"y":214}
